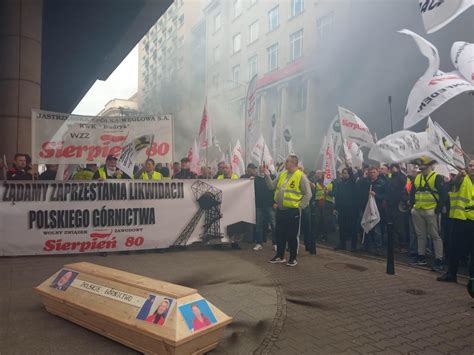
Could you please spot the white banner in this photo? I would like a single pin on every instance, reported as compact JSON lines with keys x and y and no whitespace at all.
{"x":89,"y":217}
{"x":60,"y":138}
{"x":418,"y":93}
{"x":371,"y":216}
{"x":251,"y":125}
{"x":441,"y":88}
{"x":131,"y":150}
{"x":354,"y":129}
{"x":462,"y":56}
{"x":401,"y":146}
{"x":438,"y":13}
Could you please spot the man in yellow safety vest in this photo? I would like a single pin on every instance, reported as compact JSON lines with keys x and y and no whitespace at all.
{"x":227,"y":173}
{"x":109,"y":170}
{"x":292,"y":195}
{"x":428,"y":196}
{"x":461,"y":213}
{"x":149,"y":173}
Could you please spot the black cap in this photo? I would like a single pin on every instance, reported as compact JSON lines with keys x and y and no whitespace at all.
{"x":251,"y":166}
{"x":110,"y":157}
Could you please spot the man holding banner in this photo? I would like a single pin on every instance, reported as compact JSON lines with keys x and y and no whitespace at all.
{"x":109,"y":170}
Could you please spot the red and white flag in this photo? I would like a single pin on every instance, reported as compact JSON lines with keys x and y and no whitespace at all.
{"x":237,"y":160}
{"x":205,"y":131}
{"x":329,"y":162}
{"x":462,"y":56}
{"x":354,"y":129}
{"x":194,"y":159}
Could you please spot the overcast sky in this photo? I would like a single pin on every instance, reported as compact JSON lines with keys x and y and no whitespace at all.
{"x":121,"y":84}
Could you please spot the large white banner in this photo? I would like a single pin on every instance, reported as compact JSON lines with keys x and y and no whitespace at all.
{"x":334,"y":132}
{"x":87,"y":217}
{"x":354,"y":129}
{"x":462,"y":56}
{"x":60,"y":138}
{"x":438,"y":13}
{"x":329,"y":162}
{"x":441,"y":88}
{"x":401,"y":146}
{"x":418,"y":93}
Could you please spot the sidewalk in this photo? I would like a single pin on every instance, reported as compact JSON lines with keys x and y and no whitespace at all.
{"x":329,"y":303}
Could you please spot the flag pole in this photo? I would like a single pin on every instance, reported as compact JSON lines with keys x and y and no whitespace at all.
{"x":391,"y":117}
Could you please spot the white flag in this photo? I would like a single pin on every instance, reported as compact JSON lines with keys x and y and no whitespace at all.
{"x":329,"y":162}
{"x":195,"y":160}
{"x":126,"y":162}
{"x":441,"y":88}
{"x":401,"y":146}
{"x":371,"y":216}
{"x":458,"y":156}
{"x":354,"y":129}
{"x":237,"y":160}
{"x":438,"y":13}
{"x":251,"y":125}
{"x":354,"y":155}
{"x":438,"y":143}
{"x":453,"y":147}
{"x":462,"y":56}
{"x":418,"y":93}
{"x":268,"y":159}
{"x":258,"y":150}
{"x":334,"y":131}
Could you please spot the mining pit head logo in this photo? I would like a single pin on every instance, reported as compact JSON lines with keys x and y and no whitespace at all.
{"x":287,"y":135}
{"x":292,"y":185}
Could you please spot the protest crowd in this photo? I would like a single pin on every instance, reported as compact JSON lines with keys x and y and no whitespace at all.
{"x":428,"y":214}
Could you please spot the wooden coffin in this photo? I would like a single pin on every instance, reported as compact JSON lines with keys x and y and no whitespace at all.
{"x":151,"y":316}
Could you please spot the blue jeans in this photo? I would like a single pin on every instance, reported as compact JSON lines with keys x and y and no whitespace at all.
{"x":264,"y":216}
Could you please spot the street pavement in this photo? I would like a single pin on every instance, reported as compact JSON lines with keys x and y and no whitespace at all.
{"x":330,"y":303}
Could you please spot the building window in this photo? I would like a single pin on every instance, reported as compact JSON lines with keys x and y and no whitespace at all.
{"x":235,"y":75}
{"x":217,"y":54}
{"x":236,"y":42}
{"x":237,"y":8}
{"x":217,"y":22}
{"x":273,"y":21}
{"x":324,"y":25}
{"x":301,"y":93}
{"x":296,"y":45}
{"x":297,"y":7}
{"x":272,"y":57}
{"x":252,"y":66}
{"x":181,"y":21}
{"x":253,"y":32}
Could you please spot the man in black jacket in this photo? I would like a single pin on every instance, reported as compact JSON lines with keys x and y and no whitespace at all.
{"x":397,"y":199}
{"x":377,"y":187}
{"x":346,"y":206}
{"x":185,"y":172}
{"x":20,"y":169}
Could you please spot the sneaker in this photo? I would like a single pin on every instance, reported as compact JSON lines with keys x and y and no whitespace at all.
{"x":421,"y":261}
{"x":292,"y":262}
{"x":437,"y":265}
{"x":447,"y":278}
{"x":276,"y":260}
{"x":258,"y":247}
